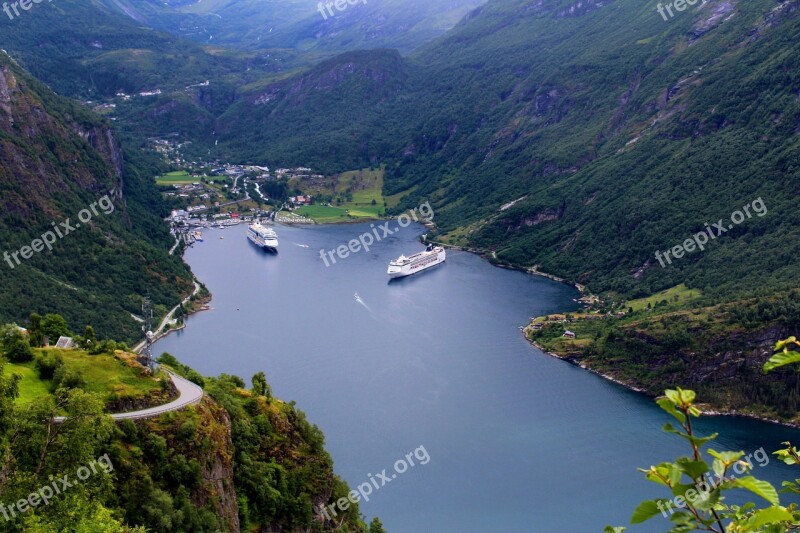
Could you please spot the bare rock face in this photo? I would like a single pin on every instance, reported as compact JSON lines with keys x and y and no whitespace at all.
{"x":218,"y":484}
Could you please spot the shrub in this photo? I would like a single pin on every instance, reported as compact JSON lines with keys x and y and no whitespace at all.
{"x":18,"y":350}
{"x":64,"y":378}
{"x":47,"y":364}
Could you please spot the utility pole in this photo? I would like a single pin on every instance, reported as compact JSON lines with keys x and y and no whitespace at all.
{"x":147,"y":327}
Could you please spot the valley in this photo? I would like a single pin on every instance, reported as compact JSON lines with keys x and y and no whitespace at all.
{"x":645,"y":155}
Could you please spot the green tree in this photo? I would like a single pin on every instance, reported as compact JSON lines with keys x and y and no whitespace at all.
{"x":260,"y":385}
{"x":54,"y":326}
{"x":376,"y":526}
{"x":89,"y":338}
{"x":17,"y":349}
{"x":35,"y":332}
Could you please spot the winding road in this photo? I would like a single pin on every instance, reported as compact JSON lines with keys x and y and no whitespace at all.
{"x":139,"y":347}
{"x":188,"y":394}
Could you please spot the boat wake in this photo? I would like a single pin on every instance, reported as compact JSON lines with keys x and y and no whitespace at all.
{"x":358,"y":299}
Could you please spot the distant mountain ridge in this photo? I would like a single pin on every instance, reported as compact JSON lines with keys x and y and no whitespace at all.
{"x":302,"y":25}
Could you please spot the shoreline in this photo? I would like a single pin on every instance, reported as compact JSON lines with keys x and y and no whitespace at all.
{"x":705,"y":409}
{"x":486,"y":254}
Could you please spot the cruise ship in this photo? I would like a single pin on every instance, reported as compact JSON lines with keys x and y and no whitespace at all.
{"x":405,"y":266}
{"x":263,"y":237}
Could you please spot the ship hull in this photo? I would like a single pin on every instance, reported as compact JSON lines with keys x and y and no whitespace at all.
{"x":410,"y":270}
{"x":264,"y":245}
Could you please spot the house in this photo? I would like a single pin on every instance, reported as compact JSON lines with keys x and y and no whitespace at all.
{"x":569,"y":334}
{"x":65,"y":343}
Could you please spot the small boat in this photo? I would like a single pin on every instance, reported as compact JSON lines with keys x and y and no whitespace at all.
{"x":357,"y":297}
{"x":198,"y":236}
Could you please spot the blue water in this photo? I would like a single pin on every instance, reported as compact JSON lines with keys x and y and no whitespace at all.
{"x":518,"y":441}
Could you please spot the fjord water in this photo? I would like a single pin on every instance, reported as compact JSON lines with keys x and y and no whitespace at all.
{"x":518,"y":441}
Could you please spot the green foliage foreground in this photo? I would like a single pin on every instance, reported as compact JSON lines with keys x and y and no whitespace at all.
{"x":697,"y":489}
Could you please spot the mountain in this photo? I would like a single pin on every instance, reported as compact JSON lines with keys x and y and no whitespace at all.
{"x":302,"y":119}
{"x":66,"y":180}
{"x":113,"y":53}
{"x":307,"y":26}
{"x":616,"y":132}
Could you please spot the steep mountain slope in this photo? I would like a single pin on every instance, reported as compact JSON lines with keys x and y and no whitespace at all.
{"x":302,"y":118}
{"x":56,"y":160}
{"x":240,"y":460}
{"x":621,"y":133}
{"x":626,"y":132}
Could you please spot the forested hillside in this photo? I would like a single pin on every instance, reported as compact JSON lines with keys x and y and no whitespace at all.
{"x":57,"y":160}
{"x":240,"y":460}
{"x":621,"y":133}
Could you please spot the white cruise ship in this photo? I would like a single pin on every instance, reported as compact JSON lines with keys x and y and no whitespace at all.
{"x":262,"y":236}
{"x":405,"y":266}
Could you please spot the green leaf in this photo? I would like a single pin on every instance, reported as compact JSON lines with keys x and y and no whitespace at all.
{"x":706,"y":501}
{"x":666,"y":474}
{"x":768,"y":516}
{"x":758,"y":487}
{"x":728,"y":458}
{"x":782,"y":359}
{"x":669,"y":406}
{"x":646,"y":510}
{"x":693,"y":469}
{"x":791,"y":487}
{"x":680,"y":397}
{"x":699,"y":441}
{"x":609,"y":529}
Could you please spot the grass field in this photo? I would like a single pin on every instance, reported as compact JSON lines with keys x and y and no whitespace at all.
{"x":323,"y":214}
{"x":367,"y":187}
{"x":31,"y":387}
{"x":179,"y":177}
{"x":104,"y":374}
{"x":679,"y":294}
{"x":363,"y":186}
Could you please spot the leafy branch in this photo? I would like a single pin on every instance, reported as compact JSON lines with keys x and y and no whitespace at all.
{"x":697,"y":489}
